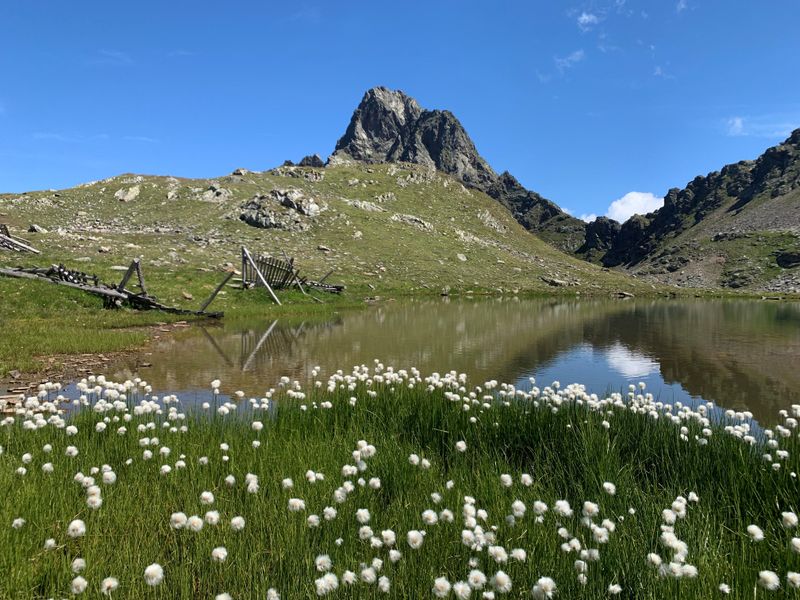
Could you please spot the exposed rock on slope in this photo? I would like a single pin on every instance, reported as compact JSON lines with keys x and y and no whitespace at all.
{"x":728,"y":228}
{"x":389,"y":126}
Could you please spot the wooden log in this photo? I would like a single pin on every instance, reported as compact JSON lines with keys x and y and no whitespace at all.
{"x":140,"y":276}
{"x":260,"y":276}
{"x":244,"y":270}
{"x":100,"y":291}
{"x":15,"y":244}
{"x":215,"y":292}
{"x":128,"y":274}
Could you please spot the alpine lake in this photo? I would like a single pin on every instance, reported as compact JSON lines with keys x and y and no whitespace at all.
{"x":742,"y":355}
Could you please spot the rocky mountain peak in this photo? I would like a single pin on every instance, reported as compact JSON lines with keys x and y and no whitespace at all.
{"x":390,"y":126}
{"x":379,"y":126}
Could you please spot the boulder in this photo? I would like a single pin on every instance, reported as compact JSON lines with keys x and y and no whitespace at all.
{"x":126,"y":195}
{"x":787,"y":259}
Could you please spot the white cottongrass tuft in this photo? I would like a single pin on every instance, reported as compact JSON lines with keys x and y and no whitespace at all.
{"x":78,"y":585}
{"x":769,"y":580}
{"x":415,"y":538}
{"x":441,"y":587}
{"x":755,"y":533}
{"x":544,"y":588}
{"x":219,"y":554}
{"x":76,"y":528}
{"x":108,"y":585}
{"x":154,"y":574}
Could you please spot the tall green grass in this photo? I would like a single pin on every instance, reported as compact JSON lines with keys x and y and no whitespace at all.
{"x":569,"y":453}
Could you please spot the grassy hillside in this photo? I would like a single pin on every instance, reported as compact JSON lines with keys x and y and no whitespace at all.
{"x":733,"y":248}
{"x":384,"y":230}
{"x":392,"y":227}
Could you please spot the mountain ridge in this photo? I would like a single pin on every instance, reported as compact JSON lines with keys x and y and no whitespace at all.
{"x":390,"y":126}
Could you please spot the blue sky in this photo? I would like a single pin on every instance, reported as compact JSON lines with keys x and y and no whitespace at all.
{"x":583,"y":102}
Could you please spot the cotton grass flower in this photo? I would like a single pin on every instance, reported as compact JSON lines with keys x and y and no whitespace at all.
{"x":178,"y":520}
{"x":296,"y":505}
{"x":237,"y":523}
{"x":789,"y":520}
{"x":562,"y":509}
{"x":207,"y":498}
{"x":78,"y":585}
{"x":415,"y":539}
{"x":769,"y":580}
{"x":462,"y":590}
{"x":441,"y":587}
{"x":545,"y":587}
{"x":219,"y":554}
{"x":108,"y":585}
{"x":154,"y":574}
{"x":609,"y":488}
{"x":501,"y":582}
{"x":76,"y":528}
{"x":755,"y":533}
{"x":323,"y":563}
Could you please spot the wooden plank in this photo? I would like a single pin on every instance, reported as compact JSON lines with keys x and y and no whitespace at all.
{"x":128,"y":274}
{"x":140,"y":276}
{"x":215,"y":292}
{"x":100,"y":291}
{"x":328,"y":274}
{"x":244,"y":271}
{"x":261,"y":277}
{"x":15,"y":244}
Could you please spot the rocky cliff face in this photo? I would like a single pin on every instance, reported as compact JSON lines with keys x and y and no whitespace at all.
{"x":732,"y":227}
{"x":389,"y":126}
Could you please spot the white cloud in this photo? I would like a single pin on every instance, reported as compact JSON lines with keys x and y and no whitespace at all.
{"x":567,"y":210}
{"x":569,"y":61}
{"x":735,"y":126}
{"x":140,"y":138}
{"x":766,"y":126}
{"x":633,"y":203}
{"x":587,"y":20}
{"x":588,"y":218}
{"x":681,"y":6}
{"x":112,"y":58}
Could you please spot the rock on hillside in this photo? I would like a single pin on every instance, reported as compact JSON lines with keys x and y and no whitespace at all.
{"x":389,"y":126}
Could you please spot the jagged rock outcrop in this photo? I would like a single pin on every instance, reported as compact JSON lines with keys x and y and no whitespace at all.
{"x":289,"y":209}
{"x":720,"y":204}
{"x":312,"y":160}
{"x":599,"y":239}
{"x":389,"y":126}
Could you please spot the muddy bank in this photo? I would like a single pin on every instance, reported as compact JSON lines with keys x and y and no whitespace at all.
{"x":69,"y":367}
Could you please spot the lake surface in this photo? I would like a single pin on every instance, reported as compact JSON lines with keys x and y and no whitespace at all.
{"x":743,"y":355}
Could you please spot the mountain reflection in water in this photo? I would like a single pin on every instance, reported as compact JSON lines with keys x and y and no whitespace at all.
{"x":739,"y":354}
